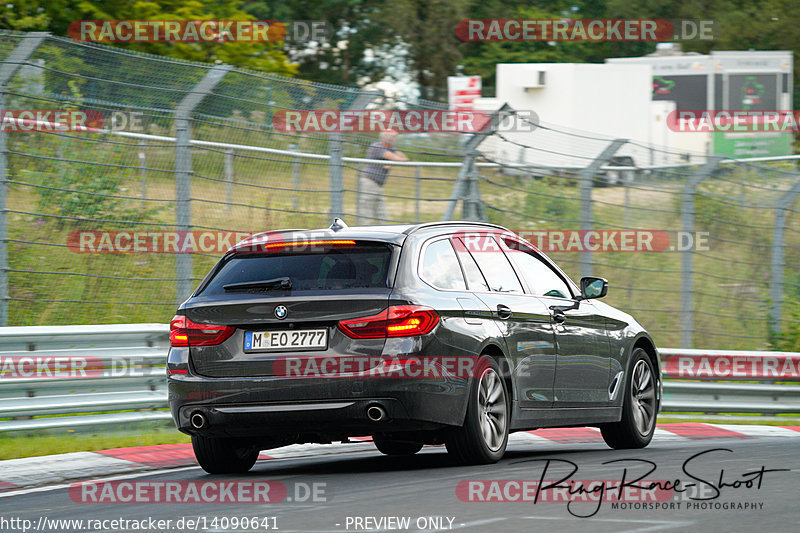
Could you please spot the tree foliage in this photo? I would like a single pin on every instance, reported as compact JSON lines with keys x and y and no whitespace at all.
{"x":56,"y":15}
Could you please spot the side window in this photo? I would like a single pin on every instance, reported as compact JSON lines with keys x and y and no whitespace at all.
{"x":475,"y":280}
{"x":440,"y":266}
{"x":494,"y":265}
{"x":541,"y":279}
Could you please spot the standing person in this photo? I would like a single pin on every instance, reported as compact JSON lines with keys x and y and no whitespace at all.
{"x":372,"y":204}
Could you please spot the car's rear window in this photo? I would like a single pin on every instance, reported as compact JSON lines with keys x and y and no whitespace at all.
{"x":364,"y":266}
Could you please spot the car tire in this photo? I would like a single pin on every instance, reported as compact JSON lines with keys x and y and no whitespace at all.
{"x":484,"y":436}
{"x":390,"y":446}
{"x":223,"y":456}
{"x":639,"y":407}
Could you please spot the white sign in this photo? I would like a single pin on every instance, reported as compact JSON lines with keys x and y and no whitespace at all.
{"x":462,"y":91}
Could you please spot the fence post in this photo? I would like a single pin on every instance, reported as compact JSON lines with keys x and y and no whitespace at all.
{"x":783,"y":204}
{"x":466,"y":186}
{"x":687,"y":256}
{"x":585,"y":179}
{"x":295,"y":176}
{"x":335,"y":150}
{"x":358,"y":195}
{"x":183,"y":171}
{"x":142,"y":171}
{"x":8,"y":68}
{"x":417,"y":192}
{"x":228,"y":172}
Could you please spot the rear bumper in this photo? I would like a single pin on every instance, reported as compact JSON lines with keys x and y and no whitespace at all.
{"x":325,"y":408}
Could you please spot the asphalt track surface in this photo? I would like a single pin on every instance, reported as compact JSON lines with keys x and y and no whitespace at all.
{"x":367,"y":485}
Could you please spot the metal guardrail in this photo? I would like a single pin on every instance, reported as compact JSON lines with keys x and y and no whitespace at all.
{"x":112,"y":376}
{"x":710,"y":381}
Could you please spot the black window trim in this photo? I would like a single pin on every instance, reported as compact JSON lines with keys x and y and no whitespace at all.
{"x":391,"y":269}
{"x":421,"y":256}
{"x":464,"y":273}
{"x":527,"y":248}
{"x":490,"y":291}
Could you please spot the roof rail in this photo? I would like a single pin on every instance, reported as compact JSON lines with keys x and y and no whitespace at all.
{"x":426,"y":225}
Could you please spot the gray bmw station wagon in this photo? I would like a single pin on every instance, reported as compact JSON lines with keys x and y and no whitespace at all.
{"x":453,"y":333}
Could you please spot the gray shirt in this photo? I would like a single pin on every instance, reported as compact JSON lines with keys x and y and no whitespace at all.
{"x":373,"y":171}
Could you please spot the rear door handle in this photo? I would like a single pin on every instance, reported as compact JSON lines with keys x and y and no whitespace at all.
{"x":559,"y":317}
{"x":503,"y":311}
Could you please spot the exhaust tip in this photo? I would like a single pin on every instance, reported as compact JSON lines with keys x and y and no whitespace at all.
{"x":376,"y":413}
{"x":198,"y":420}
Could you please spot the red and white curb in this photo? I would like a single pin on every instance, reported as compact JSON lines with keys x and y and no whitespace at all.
{"x":34,"y":471}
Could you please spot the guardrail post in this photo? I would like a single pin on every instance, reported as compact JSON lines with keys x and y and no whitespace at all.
{"x":585,"y":179}
{"x":783,"y":204}
{"x":687,"y":256}
{"x":466,"y":186}
{"x":8,"y":68}
{"x":183,"y":171}
{"x":335,"y":150}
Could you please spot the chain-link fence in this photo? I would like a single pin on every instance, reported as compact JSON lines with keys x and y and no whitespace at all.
{"x":199,"y":154}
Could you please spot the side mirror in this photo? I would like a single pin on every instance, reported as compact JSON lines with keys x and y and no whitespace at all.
{"x":593,"y":288}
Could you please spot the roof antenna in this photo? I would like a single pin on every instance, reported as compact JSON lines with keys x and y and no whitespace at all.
{"x":338,"y":224}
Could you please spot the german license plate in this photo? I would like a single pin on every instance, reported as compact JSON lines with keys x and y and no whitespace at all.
{"x":282,"y":340}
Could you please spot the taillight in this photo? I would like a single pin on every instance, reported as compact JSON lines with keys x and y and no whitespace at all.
{"x":184,"y":332}
{"x":396,"y":321}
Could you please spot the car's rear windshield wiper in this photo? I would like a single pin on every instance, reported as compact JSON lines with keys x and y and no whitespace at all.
{"x":277,"y":283}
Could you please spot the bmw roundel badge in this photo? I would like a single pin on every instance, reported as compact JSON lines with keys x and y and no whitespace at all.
{"x":280,"y":312}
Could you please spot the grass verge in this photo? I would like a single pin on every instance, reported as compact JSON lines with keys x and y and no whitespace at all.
{"x":16,"y":447}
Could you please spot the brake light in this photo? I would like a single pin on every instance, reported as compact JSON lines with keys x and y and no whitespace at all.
{"x":184,"y":332}
{"x":308,"y":243}
{"x":396,"y":321}
{"x":273,"y":246}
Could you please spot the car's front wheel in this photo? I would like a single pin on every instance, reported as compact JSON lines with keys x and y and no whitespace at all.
{"x":484,"y":436}
{"x":223,"y":456}
{"x":639,"y":408}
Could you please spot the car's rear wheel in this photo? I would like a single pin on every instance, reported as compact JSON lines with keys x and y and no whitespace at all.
{"x":224,"y":456}
{"x":389,"y":446}
{"x":639,"y":408}
{"x":484,"y":436}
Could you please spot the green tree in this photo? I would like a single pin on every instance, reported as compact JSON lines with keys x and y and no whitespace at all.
{"x":354,"y":26}
{"x":55,"y":16}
